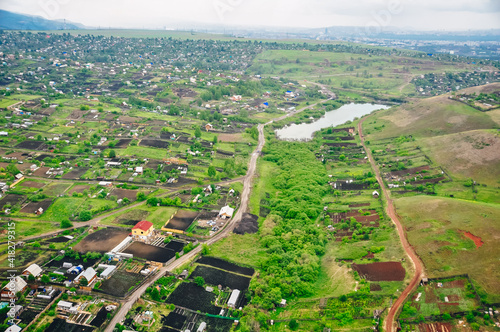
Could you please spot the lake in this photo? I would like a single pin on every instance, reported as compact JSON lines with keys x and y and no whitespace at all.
{"x":333,"y":118}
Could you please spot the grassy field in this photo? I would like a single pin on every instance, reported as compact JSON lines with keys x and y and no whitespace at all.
{"x":445,"y":115}
{"x":473,"y":154}
{"x":389,"y":75}
{"x":70,"y":207}
{"x":435,"y":228}
{"x":157,"y":215}
{"x":267,"y":172}
{"x":244,"y":249}
{"x":33,"y":228}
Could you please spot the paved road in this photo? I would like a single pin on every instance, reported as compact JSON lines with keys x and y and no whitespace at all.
{"x":391,"y":212}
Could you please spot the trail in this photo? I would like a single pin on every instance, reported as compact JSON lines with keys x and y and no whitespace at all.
{"x":391,"y":212}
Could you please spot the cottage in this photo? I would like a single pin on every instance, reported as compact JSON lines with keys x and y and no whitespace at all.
{"x":89,"y":275}
{"x":15,"y":286}
{"x":33,"y":270}
{"x":226,"y":212}
{"x":139,"y":170}
{"x":375,"y":194}
{"x":143,"y":230}
{"x":208,"y":127}
{"x":39,"y":211}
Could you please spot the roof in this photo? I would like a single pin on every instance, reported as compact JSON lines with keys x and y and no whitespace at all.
{"x":34,"y":269}
{"x":89,"y":274}
{"x":234,"y":297}
{"x":65,"y":304}
{"x":227,"y":210}
{"x":19,"y":284}
{"x":143,"y":225}
{"x":13,"y":328}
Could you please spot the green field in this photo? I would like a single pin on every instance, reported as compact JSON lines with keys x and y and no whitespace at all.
{"x":435,"y":227}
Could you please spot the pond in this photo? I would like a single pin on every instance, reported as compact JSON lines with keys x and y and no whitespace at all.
{"x":333,"y":118}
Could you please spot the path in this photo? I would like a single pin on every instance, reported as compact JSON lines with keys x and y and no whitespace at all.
{"x":391,"y":212}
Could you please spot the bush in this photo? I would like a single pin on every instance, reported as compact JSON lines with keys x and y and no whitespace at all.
{"x":66,"y":224}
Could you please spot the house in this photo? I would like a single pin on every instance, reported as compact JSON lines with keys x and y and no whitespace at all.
{"x":39,"y":211}
{"x":226,"y":212}
{"x":139,"y":170}
{"x":236,"y":98}
{"x":208,"y":127}
{"x":105,"y":183}
{"x":14,"y":286}
{"x":282,"y":303}
{"x":233,"y":298}
{"x":33,"y":270}
{"x":4,"y":133}
{"x":184,"y":274}
{"x":89,"y":274}
{"x":143,"y":230}
{"x":375,"y":194}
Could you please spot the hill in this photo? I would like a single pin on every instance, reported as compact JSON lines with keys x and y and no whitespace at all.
{"x":15,"y":21}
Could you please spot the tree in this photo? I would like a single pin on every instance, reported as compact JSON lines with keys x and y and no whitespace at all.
{"x":294,"y":324}
{"x":212,"y":171}
{"x":84,"y":282}
{"x":112,"y":154}
{"x":85,"y":215}
{"x":66,"y":223}
{"x":199,"y":281}
{"x":45,"y":279}
{"x":141,"y":196}
{"x":214,"y":140}
{"x":197,"y":132}
{"x":205,"y":249}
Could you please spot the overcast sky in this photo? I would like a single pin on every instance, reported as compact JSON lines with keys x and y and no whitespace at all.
{"x":417,"y":14}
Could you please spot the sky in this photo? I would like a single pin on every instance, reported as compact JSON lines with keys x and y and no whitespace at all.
{"x":374,"y":14}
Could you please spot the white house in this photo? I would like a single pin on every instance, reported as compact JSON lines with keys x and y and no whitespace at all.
{"x":33,"y":270}
{"x":226,"y":212}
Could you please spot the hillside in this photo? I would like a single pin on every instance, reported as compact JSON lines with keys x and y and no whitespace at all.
{"x":14,"y":21}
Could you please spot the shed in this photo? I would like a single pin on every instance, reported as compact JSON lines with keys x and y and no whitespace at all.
{"x":233,"y":298}
{"x":375,"y":194}
{"x":226,"y":211}
{"x":202,"y":327}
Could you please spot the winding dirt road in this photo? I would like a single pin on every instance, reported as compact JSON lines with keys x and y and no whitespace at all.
{"x":390,"y":324}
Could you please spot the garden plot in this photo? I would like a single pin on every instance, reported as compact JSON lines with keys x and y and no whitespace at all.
{"x":59,"y":325}
{"x":32,"y":184}
{"x":100,"y":318}
{"x":154,"y":143}
{"x":191,"y":296}
{"x":380,"y":271}
{"x":123,"y":143}
{"x":11,"y":199}
{"x":444,"y":296}
{"x":122,"y":193}
{"x":120,"y":283}
{"x":31,"y":145}
{"x":213,"y":276}
{"x":175,"y":245}
{"x":42,"y":172}
{"x":181,"y":220}
{"x":174,"y":320}
{"x":225,"y":265}
{"x":78,"y":188}
{"x":102,"y":240}
{"x":149,"y":252}
{"x":33,"y":207}
{"x":75,"y":174}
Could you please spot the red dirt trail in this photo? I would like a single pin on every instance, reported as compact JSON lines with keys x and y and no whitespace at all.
{"x":391,"y":212}
{"x":477,"y":240}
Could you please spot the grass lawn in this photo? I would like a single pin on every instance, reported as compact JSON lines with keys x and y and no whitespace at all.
{"x":32,"y":228}
{"x":435,"y":228}
{"x":157,"y":215}
{"x":244,"y":249}
{"x":70,"y":207}
{"x":263,"y":184}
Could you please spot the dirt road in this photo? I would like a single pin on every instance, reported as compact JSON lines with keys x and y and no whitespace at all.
{"x":390,"y":324}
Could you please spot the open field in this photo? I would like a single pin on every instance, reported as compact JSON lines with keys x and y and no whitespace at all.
{"x":435,"y":228}
{"x":102,"y":240}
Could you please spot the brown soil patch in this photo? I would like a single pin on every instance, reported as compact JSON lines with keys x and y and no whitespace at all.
{"x":32,"y":207}
{"x":32,"y":184}
{"x":230,"y":138}
{"x":477,"y":240}
{"x":381,"y":271}
{"x":78,"y":188}
{"x":435,"y":327}
{"x":375,"y":287}
{"x":103,"y":240}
